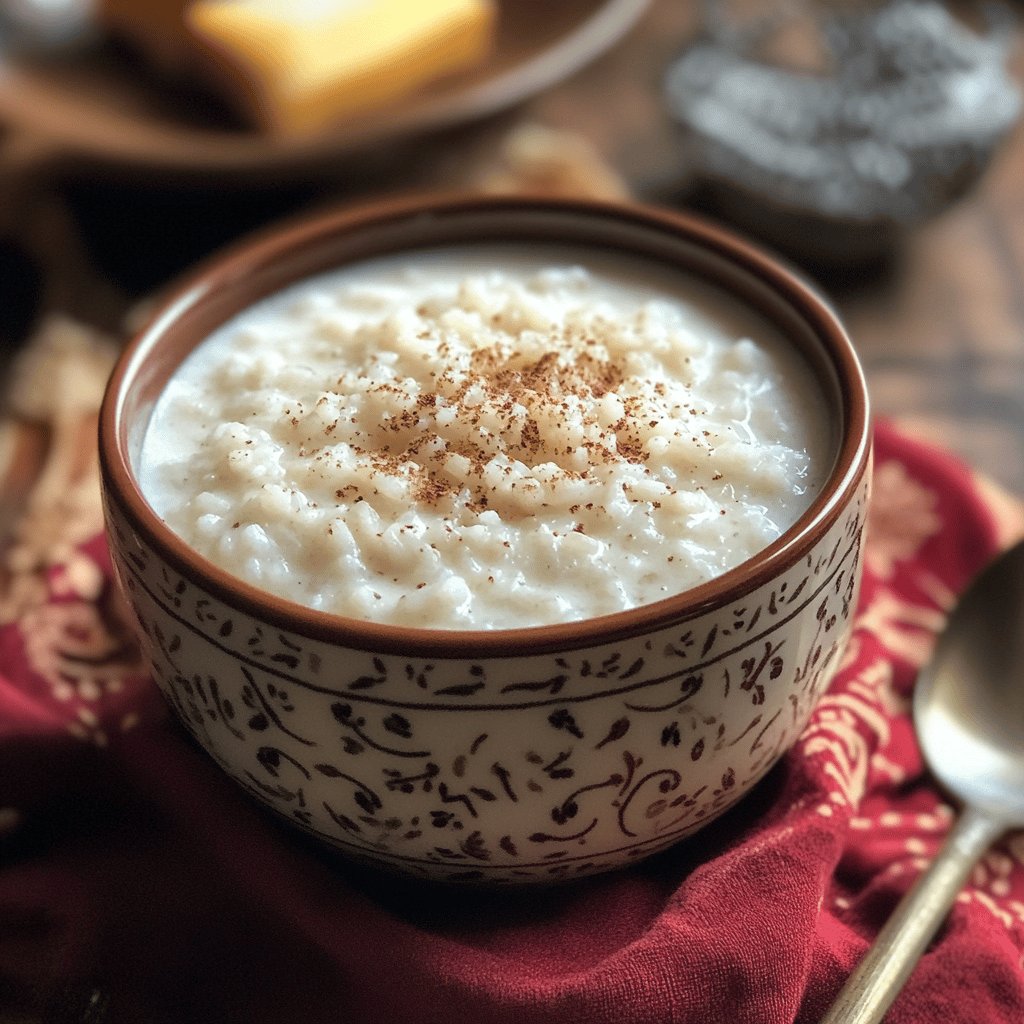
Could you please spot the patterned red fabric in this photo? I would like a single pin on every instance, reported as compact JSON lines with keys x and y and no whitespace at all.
{"x":137,"y":884}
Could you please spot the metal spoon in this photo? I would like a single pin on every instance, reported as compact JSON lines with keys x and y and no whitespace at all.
{"x":969,"y":717}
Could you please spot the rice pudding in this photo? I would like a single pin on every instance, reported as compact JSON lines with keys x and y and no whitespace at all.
{"x":487,"y":437}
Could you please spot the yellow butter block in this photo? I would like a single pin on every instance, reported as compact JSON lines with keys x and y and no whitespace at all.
{"x":305,"y":63}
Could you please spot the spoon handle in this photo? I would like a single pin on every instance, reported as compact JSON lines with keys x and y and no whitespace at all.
{"x":878,"y":978}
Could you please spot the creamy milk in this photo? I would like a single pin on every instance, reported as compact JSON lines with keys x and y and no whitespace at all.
{"x":487,"y":437}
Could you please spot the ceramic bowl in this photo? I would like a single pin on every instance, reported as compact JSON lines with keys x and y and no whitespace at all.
{"x":520,"y":755}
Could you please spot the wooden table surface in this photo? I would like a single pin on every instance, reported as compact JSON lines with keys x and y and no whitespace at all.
{"x":939,"y":327}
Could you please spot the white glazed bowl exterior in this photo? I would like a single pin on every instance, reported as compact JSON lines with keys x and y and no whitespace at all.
{"x":526,"y":768}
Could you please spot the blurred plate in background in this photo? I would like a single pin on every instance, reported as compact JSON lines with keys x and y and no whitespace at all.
{"x":97,"y":106}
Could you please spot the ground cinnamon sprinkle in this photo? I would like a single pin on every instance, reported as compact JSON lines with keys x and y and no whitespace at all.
{"x":518,"y":408}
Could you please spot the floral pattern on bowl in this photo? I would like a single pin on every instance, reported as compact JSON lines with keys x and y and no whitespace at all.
{"x":442,"y":767}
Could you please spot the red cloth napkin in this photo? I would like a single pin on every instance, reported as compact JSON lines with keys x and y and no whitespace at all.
{"x":137,"y":884}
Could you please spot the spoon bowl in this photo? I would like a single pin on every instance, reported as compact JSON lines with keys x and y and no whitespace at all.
{"x":969,"y":699}
{"x":969,"y":718}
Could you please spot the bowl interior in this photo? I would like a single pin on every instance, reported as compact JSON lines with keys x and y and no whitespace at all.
{"x":264,"y":266}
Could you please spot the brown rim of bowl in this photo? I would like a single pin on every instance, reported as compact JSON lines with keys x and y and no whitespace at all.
{"x":289,"y":253}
